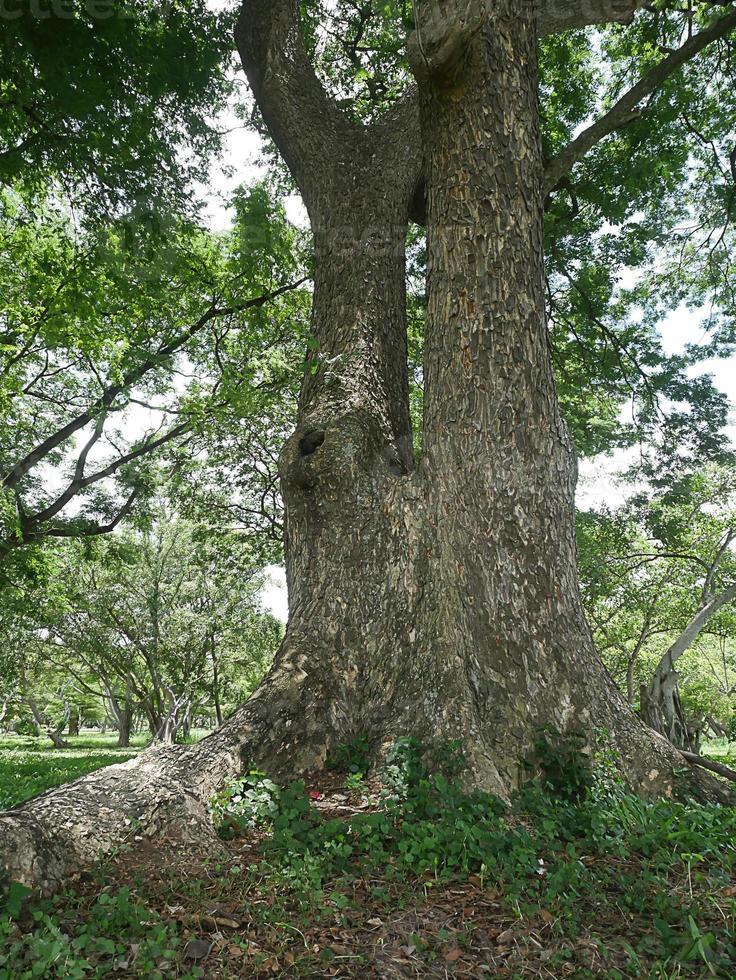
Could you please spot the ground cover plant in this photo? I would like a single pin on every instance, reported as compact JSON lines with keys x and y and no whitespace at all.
{"x":408,"y":875}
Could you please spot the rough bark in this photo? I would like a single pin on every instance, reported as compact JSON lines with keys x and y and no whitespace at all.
{"x":439,"y":601}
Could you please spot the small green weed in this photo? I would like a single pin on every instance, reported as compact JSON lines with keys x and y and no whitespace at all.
{"x":350,"y":757}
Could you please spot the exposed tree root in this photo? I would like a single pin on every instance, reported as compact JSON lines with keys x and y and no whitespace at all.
{"x":47,"y":839}
{"x":717,"y":767}
{"x":286,"y":728}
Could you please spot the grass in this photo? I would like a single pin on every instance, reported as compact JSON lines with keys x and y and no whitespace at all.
{"x":30,"y":765}
{"x":332,"y":879}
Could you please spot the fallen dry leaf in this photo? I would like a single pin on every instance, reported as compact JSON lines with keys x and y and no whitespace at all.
{"x":197,"y":949}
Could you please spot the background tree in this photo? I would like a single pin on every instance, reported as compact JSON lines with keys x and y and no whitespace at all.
{"x":659,"y":574}
{"x":122,"y":346}
{"x":162,"y":622}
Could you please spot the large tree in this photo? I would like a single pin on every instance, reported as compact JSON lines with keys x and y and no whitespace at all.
{"x":435,"y":597}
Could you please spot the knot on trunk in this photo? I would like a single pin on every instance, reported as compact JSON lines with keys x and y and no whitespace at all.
{"x":323,"y":458}
{"x":311,"y":441}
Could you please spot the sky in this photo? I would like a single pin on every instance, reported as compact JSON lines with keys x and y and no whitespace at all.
{"x":598,"y":482}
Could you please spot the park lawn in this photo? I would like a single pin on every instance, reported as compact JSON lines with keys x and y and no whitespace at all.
{"x":30,"y":765}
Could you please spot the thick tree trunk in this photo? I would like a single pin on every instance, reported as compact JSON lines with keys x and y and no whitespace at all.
{"x":439,"y":601}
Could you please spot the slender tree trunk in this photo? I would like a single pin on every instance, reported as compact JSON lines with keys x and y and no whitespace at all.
{"x":124,"y":726}
{"x":186,"y":724}
{"x":74,"y":720}
{"x":216,"y":683}
{"x":632,"y":659}
{"x":123,"y":714}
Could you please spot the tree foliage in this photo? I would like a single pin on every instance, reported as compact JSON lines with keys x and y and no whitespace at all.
{"x":111,"y":102}
{"x":122,"y":347}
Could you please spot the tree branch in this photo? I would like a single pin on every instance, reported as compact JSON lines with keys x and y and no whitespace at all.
{"x":79,"y":484}
{"x":555,"y":16}
{"x":713,"y":570}
{"x":625,"y":110}
{"x":106,"y":400}
{"x":96,"y":530}
{"x":308,"y":127}
{"x":699,"y":760}
{"x":691,"y":632}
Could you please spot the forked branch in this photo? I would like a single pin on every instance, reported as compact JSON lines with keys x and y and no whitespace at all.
{"x":308,"y":127}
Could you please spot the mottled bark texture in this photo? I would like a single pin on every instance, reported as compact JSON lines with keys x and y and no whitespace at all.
{"x":437,"y":600}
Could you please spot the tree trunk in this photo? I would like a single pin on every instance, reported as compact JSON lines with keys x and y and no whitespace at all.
{"x":186,"y":724}
{"x":124,"y":725}
{"x":439,"y":601}
{"x":53,"y":733}
{"x":123,"y":714}
{"x":74,"y":720}
{"x":216,"y":682}
{"x":630,"y":666}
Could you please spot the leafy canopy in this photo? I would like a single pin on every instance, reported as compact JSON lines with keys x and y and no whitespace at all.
{"x":111,"y":101}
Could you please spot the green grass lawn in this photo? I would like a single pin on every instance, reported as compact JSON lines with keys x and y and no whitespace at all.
{"x":31,"y":765}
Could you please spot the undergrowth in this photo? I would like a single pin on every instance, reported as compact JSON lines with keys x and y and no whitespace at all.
{"x":648,"y":885}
